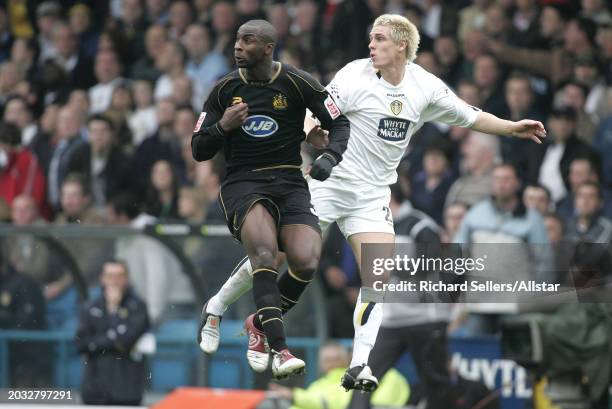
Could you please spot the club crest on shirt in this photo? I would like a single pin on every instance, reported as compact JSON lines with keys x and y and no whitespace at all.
{"x":279,"y":102}
{"x":396,"y":107}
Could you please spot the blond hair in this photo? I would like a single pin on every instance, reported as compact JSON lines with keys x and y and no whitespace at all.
{"x":402,"y":30}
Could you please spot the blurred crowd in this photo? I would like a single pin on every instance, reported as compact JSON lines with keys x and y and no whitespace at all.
{"x":98,"y":101}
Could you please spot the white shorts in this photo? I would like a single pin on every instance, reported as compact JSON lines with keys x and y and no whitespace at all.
{"x":355,"y":206}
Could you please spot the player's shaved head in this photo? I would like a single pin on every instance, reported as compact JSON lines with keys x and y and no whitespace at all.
{"x":261,"y":29}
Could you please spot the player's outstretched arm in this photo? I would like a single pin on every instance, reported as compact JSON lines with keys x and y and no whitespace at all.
{"x":525,"y":129}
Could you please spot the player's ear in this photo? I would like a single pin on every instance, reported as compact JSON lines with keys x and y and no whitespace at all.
{"x":269,"y":49}
{"x":402,"y":46}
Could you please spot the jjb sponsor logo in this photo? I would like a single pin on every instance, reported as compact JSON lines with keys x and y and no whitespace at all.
{"x":393,"y":129}
{"x":260,"y":126}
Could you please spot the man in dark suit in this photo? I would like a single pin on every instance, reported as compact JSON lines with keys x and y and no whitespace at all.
{"x":77,"y":66}
{"x":105,"y":167}
{"x":109,"y":328}
{"x":549,"y":163}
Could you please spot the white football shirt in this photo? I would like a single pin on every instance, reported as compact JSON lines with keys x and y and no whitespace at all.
{"x":384,"y":117}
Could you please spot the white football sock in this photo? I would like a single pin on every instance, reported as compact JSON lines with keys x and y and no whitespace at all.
{"x":366,"y":320}
{"x":236,"y":285}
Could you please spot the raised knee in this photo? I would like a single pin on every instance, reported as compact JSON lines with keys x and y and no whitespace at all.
{"x":264,"y":257}
{"x":304,"y":266}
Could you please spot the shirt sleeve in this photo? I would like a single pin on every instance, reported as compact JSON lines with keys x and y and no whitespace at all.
{"x":446,"y":107}
{"x":340,"y":89}
{"x":208,"y":137}
{"x":323,"y":106}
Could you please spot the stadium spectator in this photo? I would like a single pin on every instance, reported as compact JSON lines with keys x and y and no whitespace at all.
{"x":79,"y":101}
{"x":158,"y":277}
{"x":304,"y":38}
{"x":171,"y":63}
{"x":472,"y":47}
{"x":574,"y":94}
{"x":480,"y":152}
{"x":181,"y":16}
{"x":449,"y":57}
{"x":537,"y":197}
{"x":79,"y":19}
{"x":162,"y":193}
{"x":582,"y":170}
{"x":592,"y":234}
{"x":42,"y":144}
{"x":429,"y":61}
{"x":549,"y":163}
{"x":76,"y":65}
{"x":157,"y":12}
{"x":110,"y":326}
{"x":144,"y":68}
{"x":326,"y":393}
{"x":587,"y":224}
{"x":142,"y":121}
{"x":6,"y":36}
{"x":183,"y":92}
{"x":47,"y":14}
{"x":556,"y":64}
{"x":23,"y":53}
{"x":204,"y":65}
{"x":502,"y":214}
{"x":31,"y":256}
{"x":497,"y":24}
{"x":453,"y":216}
{"x":192,"y":204}
{"x":588,"y":73}
{"x":555,"y":228}
{"x":18,"y":112}
{"x":278,"y":15}
{"x":487,"y":75}
{"x":208,"y":177}
{"x":430,"y":187}
{"x":525,"y":25}
{"x":162,"y":145}
{"x":22,"y":307}
{"x":203,"y":11}
{"x":10,"y":76}
{"x":20,"y":172}
{"x":224,"y":23}
{"x":472,"y":18}
{"x":349,"y":32}
{"x":68,"y":140}
{"x":122,"y":105}
{"x":604,"y":42}
{"x":131,"y":23}
{"x":519,"y":103}
{"x":76,"y":202}
{"x":107,"y":170}
{"x":415,"y":13}
{"x":108,"y":74}
{"x":469,"y":92}
{"x":603,"y":143}
{"x":596,"y":10}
